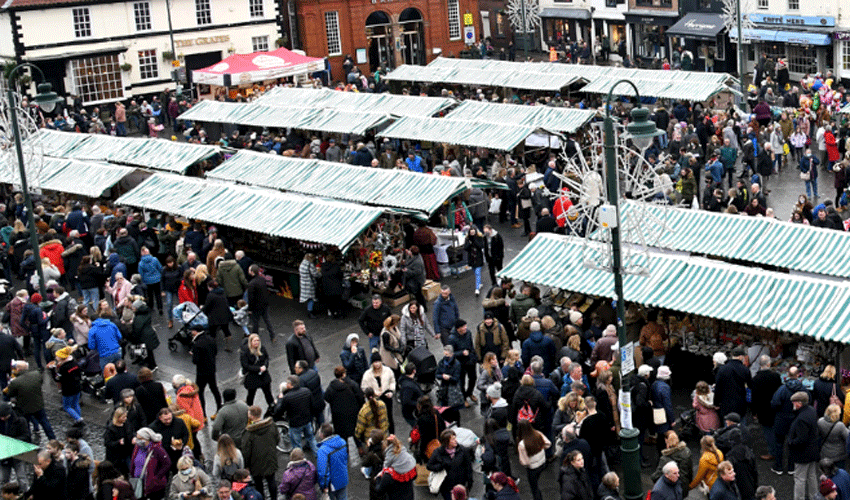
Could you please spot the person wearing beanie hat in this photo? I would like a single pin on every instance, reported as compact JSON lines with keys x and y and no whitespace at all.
{"x":491,"y":336}
{"x":661,"y":395}
{"x":576,"y":319}
{"x":69,"y":374}
{"x":35,"y":298}
{"x":381,"y":380}
{"x":827,"y":489}
{"x":804,"y":446}
{"x":354,"y":358}
{"x":538,"y":344}
{"x":150,"y":461}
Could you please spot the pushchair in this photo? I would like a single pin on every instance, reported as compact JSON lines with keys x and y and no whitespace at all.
{"x":426,"y":367}
{"x":91,"y":381}
{"x":192,"y":318}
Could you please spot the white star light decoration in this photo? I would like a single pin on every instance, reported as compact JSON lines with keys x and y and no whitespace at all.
{"x":532,"y":15}
{"x":728,"y":16}
{"x":33,"y":150}
{"x":640,"y":229}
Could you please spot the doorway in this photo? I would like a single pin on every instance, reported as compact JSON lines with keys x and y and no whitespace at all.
{"x":198,"y":61}
{"x":379,"y":32}
{"x":412,"y":38}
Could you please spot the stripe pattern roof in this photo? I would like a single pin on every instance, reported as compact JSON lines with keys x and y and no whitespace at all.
{"x":756,"y":297}
{"x":398,"y":105}
{"x":503,"y":137}
{"x":265,"y":211}
{"x":373,"y":186}
{"x":66,"y":175}
{"x":550,"y":118}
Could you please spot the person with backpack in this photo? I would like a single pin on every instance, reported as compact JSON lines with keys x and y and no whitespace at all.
{"x":332,"y":463}
{"x":532,"y":447}
{"x":529,"y":404}
{"x":227,"y":461}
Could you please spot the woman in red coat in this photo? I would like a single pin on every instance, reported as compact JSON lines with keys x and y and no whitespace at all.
{"x":187,"y":292}
{"x":832,"y":153}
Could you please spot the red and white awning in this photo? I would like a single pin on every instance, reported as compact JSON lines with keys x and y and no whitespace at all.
{"x":259,"y":66}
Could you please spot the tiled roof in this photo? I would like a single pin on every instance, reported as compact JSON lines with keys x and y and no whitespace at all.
{"x":17,"y":4}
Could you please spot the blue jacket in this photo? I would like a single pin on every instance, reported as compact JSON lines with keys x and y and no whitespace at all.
{"x":539,"y":345}
{"x":781,"y":404}
{"x":662,"y":398}
{"x":115,"y":266}
{"x":332,"y":463}
{"x":150,"y":269}
{"x":77,"y":220}
{"x":716,"y":170}
{"x":415,"y":165}
{"x":104,"y":337}
{"x":445,"y":314}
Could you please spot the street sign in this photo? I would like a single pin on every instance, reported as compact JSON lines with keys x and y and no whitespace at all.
{"x":467,"y":19}
{"x":469,"y":35}
{"x":627,"y":358}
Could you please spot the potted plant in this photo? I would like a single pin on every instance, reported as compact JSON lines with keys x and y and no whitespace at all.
{"x":168,"y":55}
{"x":126,"y":66}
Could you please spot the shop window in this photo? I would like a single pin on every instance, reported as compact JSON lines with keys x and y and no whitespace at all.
{"x":704,"y":4}
{"x":293,"y":25}
{"x":454,"y":20}
{"x":148,"y":67}
{"x":802,"y":60}
{"x":142,"y":15}
{"x":653,"y":3}
{"x":203,"y":13}
{"x":332,"y":32}
{"x":501,"y":19}
{"x":97,"y":79}
{"x":845,"y":55}
{"x":255,"y":7}
{"x":82,"y":22}
{"x":259,"y":43}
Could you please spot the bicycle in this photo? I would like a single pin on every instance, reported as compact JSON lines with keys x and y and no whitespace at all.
{"x":284,"y":444}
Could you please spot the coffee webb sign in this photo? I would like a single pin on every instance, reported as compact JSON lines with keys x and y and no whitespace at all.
{"x":779,"y":20}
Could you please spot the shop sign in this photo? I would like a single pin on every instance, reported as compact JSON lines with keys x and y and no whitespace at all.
{"x":778,"y":20}
{"x":202,"y":40}
{"x":843,"y":35}
{"x":694,"y":25}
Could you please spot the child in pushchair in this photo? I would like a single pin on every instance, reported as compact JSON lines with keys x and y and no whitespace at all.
{"x":192,"y":318}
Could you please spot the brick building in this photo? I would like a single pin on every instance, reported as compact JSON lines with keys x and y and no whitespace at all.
{"x":385,"y":32}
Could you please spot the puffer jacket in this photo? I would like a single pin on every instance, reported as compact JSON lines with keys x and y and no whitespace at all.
{"x":232,"y":278}
{"x":500,"y":339}
{"x":299,"y":477}
{"x":520,"y":306}
{"x":150,"y":269}
{"x":539,"y":345}
{"x":104,"y":337}
{"x":53,"y":250}
{"x":187,"y":398}
{"x":332,"y":463}
{"x":833,"y":437}
{"x":259,"y":447}
{"x":682,"y":456}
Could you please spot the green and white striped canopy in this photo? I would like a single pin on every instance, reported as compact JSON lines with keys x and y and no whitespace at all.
{"x":84,"y":178}
{"x":392,"y":104}
{"x":503,"y":137}
{"x":557,"y":119}
{"x":156,"y":154}
{"x":803,"y":305}
{"x":255,"y":209}
{"x":372,"y":186}
{"x":760,"y":240}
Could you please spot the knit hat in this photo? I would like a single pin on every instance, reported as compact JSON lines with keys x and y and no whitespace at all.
{"x":5,"y":410}
{"x":532,"y":313}
{"x":64,"y":353}
{"x":535,"y":326}
{"x":575,"y":317}
{"x":664,"y":372}
{"x":376,"y":356}
{"x":35,"y":298}
{"x":495,"y":390}
{"x":148,"y":434}
{"x":826,"y":486}
{"x":460,"y":323}
{"x":733,"y":417}
{"x":800,"y":397}
{"x":488,"y":315}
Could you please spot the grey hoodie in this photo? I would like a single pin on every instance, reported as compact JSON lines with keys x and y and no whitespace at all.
{"x":402,"y":463}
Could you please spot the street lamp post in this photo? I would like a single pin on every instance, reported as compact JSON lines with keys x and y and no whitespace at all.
{"x":641,"y":131}
{"x":46,"y":99}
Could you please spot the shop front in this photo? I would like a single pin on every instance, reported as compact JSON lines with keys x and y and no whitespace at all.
{"x":649,"y":33}
{"x":842,"y":56}
{"x":703,"y":35}
{"x":561,"y":26}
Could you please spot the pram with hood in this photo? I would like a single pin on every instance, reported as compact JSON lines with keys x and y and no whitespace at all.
{"x":192,"y":318}
{"x":426,"y":367}
{"x":91,"y":381}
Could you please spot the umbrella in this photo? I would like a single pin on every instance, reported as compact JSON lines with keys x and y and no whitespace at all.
{"x":14,"y":448}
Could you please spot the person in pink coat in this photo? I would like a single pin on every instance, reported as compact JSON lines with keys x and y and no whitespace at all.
{"x":707,"y":418}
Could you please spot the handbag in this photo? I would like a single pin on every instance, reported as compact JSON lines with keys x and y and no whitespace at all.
{"x":422,"y":474}
{"x":806,"y":176}
{"x":435,"y":480}
{"x":138,"y":483}
{"x":659,"y":416}
{"x":833,"y":399}
{"x":434,"y":443}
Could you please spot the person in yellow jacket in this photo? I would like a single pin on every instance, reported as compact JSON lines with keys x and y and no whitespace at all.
{"x":708,"y":462}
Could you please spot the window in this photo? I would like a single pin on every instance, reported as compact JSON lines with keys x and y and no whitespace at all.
{"x":704,"y":4}
{"x":501,"y":19}
{"x":793,"y":4}
{"x":97,"y":79}
{"x":764,"y":4}
{"x":82,"y":22}
{"x":454,"y":20}
{"x":260,"y":43}
{"x":202,"y":12}
{"x":148,"y":67}
{"x":802,"y":59}
{"x":845,"y":54}
{"x":293,"y":25}
{"x":332,"y":32}
{"x":142,"y":13}
{"x":255,"y":7}
{"x":485,"y":24}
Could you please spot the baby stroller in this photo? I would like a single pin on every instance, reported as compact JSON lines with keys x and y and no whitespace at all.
{"x":192,"y":318}
{"x":426,"y":367}
{"x":92,"y":382}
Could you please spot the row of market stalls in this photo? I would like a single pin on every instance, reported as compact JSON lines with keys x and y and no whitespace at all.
{"x":556,"y":77}
{"x":720,"y":280}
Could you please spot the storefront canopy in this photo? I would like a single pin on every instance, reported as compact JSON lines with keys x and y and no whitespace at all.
{"x":85,"y":178}
{"x":768,"y":35}
{"x":814,"y":307}
{"x":526,"y":80}
{"x":580,"y":13}
{"x":673,"y":88}
{"x":698,"y":26}
{"x":371,"y":186}
{"x":566,"y":120}
{"x":265,"y":211}
{"x":156,"y":154}
{"x":760,"y":240}
{"x":497,"y":136}
{"x":257,"y":67}
{"x":398,"y":105}
{"x":256,"y":115}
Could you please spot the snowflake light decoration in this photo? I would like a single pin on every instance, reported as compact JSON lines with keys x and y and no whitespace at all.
{"x":33,"y":149}
{"x":729,"y":13}
{"x":583,"y":192}
{"x":532,"y":15}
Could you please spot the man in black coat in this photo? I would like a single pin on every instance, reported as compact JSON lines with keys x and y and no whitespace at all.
{"x":49,"y":478}
{"x":300,"y":346}
{"x":804,"y":447}
{"x":172,"y":429}
{"x":410,"y":393}
{"x":258,"y":301}
{"x":9,"y":350}
{"x":494,"y":251}
{"x":746,"y":473}
{"x":204,"y":352}
{"x":763,"y":387}
{"x":730,"y":385}
{"x":372,"y":320}
{"x":545,"y":223}
{"x":122,"y":380}
{"x":310,"y":379}
{"x":218,"y":313}
{"x":296,"y":406}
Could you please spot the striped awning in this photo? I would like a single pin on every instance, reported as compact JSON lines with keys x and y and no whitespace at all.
{"x":85,"y":178}
{"x":372,"y":186}
{"x":526,"y":80}
{"x":550,"y":118}
{"x":398,"y":105}
{"x":846,"y":109}
{"x":673,"y":88}
{"x":760,"y":240}
{"x":257,"y":115}
{"x":265,"y":211}
{"x":156,"y":154}
{"x":498,"y":136}
{"x":803,"y":305}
